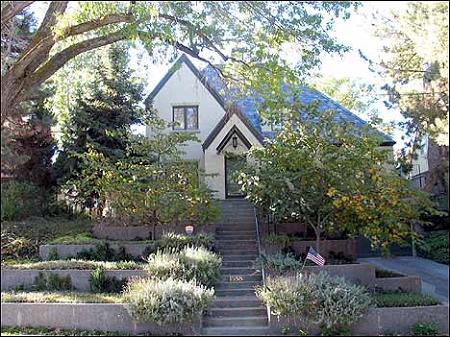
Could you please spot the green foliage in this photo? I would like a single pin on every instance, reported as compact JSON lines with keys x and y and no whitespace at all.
{"x":75,"y":264}
{"x":20,"y":331}
{"x":332,"y":302}
{"x":59,"y":297}
{"x":425,"y":329}
{"x":166,"y":301}
{"x":52,"y":282}
{"x":21,"y":239}
{"x":279,"y":263}
{"x":279,"y":241}
{"x":79,"y":238}
{"x":386,"y":300}
{"x":52,"y":254}
{"x":334,"y":183}
{"x":104,"y":252}
{"x":177,"y":242}
{"x":100,"y":283}
{"x":190,"y":263}
{"x":435,"y":247}
{"x":381,"y":273}
{"x":20,"y":200}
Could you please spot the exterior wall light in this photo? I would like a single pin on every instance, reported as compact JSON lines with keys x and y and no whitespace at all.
{"x":235,"y":144}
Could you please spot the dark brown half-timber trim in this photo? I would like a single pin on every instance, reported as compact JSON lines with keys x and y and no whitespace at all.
{"x":225,"y":140}
{"x":183,"y":59}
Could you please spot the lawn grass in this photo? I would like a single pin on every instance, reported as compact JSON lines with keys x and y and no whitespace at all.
{"x":387,"y":300}
{"x":59,"y":297}
{"x":20,"y":331}
{"x":75,"y":264}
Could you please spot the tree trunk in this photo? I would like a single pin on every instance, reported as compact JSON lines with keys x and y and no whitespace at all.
{"x":317,"y":231}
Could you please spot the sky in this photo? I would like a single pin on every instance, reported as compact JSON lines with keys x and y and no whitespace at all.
{"x":354,"y":32}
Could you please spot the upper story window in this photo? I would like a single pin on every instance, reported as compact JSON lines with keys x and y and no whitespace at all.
{"x":185,"y":117}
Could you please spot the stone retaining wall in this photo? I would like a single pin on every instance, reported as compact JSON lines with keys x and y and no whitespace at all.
{"x":410,"y":284}
{"x":85,"y":316}
{"x":13,"y":278}
{"x":131,"y":233}
{"x":361,"y":273}
{"x":66,"y":251}
{"x":377,"y":321}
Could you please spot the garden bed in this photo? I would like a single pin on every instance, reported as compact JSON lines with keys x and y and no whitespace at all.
{"x":377,"y":321}
{"x":79,"y":279}
{"x":85,"y":316}
{"x":361,"y":273}
{"x":411,"y":284}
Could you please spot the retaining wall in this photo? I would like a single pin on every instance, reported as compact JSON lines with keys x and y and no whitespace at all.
{"x":66,"y":251}
{"x":85,"y":316}
{"x":410,"y":284}
{"x":13,"y":278}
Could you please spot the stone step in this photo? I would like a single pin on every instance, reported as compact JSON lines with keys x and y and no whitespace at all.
{"x":235,"y":292}
{"x":237,"y":227}
{"x":242,"y":263}
{"x":237,"y":312}
{"x":231,"y":257}
{"x":241,"y":278}
{"x":251,"y":321}
{"x":226,"y":232}
{"x":238,"y":271}
{"x":234,"y":236}
{"x":232,"y":331}
{"x":237,"y":285}
{"x":236,"y":302}
{"x":238,"y":251}
{"x":238,"y":244}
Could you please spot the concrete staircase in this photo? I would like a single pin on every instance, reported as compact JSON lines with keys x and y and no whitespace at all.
{"x":236,"y":310}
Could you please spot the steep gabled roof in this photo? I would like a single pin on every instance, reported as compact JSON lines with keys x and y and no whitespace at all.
{"x":183,"y":59}
{"x":213,"y":134}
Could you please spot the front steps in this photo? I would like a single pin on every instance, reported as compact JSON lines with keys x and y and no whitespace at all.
{"x":237,"y":311}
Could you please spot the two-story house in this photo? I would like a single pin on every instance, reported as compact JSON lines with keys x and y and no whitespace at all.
{"x":192,"y":100}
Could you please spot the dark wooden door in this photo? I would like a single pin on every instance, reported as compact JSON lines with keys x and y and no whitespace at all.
{"x":232,"y":165}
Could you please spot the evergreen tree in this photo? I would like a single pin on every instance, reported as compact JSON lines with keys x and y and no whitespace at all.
{"x":102,"y":117}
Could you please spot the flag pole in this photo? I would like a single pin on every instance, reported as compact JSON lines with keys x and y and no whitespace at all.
{"x":304,"y":262}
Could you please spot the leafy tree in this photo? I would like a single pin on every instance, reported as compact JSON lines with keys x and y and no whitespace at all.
{"x":415,"y":65}
{"x":249,"y":34}
{"x":333,"y":179}
{"x":102,"y":117}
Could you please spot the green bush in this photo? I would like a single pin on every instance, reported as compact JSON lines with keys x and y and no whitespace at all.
{"x":20,"y":200}
{"x":384,"y":300}
{"x":75,"y":264}
{"x":435,"y":247}
{"x":287,"y":296}
{"x":52,"y":282}
{"x":166,"y":301}
{"x":190,"y":264}
{"x":279,"y":263}
{"x":104,"y":252}
{"x":176,"y":242}
{"x":332,"y":302}
{"x":100,"y":283}
{"x":425,"y":329}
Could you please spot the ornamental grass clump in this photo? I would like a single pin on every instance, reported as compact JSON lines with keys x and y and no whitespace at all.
{"x":331,"y":302}
{"x":167,"y":301}
{"x":177,"y":242}
{"x":197,"y":264}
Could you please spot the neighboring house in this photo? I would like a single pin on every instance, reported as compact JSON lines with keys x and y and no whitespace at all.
{"x":197,"y":102}
{"x":429,"y":171}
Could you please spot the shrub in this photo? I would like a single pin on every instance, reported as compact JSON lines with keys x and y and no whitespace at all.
{"x":20,"y":200}
{"x":404,"y":300}
{"x":287,"y":296}
{"x":435,"y":247}
{"x":332,"y":302}
{"x":279,"y":241}
{"x":340,"y":302}
{"x":425,"y":329}
{"x":104,"y":252}
{"x":381,"y":273}
{"x":100,"y":283}
{"x":166,"y":301}
{"x":15,"y":246}
{"x":176,"y":242}
{"x":52,"y":254}
{"x":191,"y":263}
{"x":75,"y":264}
{"x":279,"y":263}
{"x":52,"y":282}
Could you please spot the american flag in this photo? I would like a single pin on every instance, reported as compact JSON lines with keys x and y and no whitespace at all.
{"x":315,"y":257}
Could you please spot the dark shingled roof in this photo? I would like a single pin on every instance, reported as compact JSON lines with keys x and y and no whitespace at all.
{"x":247,"y":105}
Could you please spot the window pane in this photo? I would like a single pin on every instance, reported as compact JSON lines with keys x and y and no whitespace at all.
{"x":192,"y":118}
{"x":178,"y":118}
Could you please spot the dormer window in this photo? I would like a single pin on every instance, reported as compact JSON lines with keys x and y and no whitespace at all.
{"x":185,"y":117}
